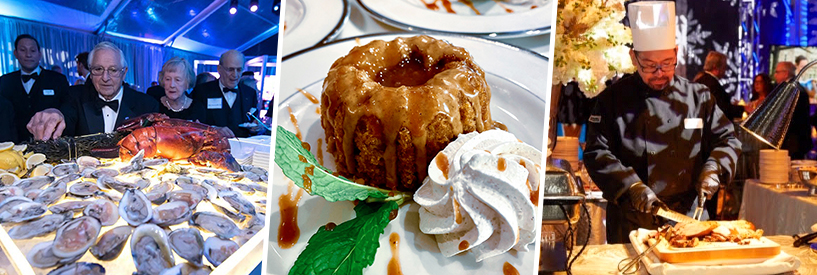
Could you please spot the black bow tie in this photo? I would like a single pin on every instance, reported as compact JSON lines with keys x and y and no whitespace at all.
{"x":27,"y":77}
{"x":113,"y":104}
{"x":226,"y":90}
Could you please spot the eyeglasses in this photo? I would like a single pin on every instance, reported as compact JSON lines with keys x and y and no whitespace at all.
{"x":237,"y":70}
{"x":112,"y":71}
{"x":664,"y":67}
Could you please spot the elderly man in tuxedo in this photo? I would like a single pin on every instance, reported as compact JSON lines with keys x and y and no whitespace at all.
{"x":228,"y":101}
{"x":100,"y":107}
{"x":32,"y":88}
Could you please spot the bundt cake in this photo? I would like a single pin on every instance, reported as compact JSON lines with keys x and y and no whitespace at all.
{"x":388,"y":107}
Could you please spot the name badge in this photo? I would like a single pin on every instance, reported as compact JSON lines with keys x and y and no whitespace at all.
{"x":594,"y":119}
{"x":214,"y":103}
{"x":48,"y":92}
{"x":693,"y":123}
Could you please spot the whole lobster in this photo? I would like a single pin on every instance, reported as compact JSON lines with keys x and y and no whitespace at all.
{"x":176,"y":139}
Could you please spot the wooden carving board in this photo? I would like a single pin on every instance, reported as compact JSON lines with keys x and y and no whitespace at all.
{"x":707,"y":252}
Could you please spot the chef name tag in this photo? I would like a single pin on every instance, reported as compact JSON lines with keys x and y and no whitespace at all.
{"x":48,"y":92}
{"x":214,"y":103}
{"x":693,"y":123}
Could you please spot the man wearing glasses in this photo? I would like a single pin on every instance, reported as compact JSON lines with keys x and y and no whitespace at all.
{"x":228,"y":101}
{"x":32,"y":88}
{"x":654,"y":138}
{"x":100,"y":106}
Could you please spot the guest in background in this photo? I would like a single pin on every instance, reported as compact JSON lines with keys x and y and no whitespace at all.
{"x":31,"y":89}
{"x":761,"y":88}
{"x":178,"y":79}
{"x":227,"y":101}
{"x":98,"y":109}
{"x":714,"y":70}
{"x":810,"y":85}
{"x":798,"y":138}
{"x":56,"y":68}
{"x":204,"y":78}
{"x":157,"y":90}
{"x":8,"y":130}
{"x":82,"y":68}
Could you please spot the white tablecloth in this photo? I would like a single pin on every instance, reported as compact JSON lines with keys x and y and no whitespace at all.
{"x":778,"y":211}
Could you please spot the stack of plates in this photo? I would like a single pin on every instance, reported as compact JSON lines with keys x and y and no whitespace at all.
{"x":567,"y":148}
{"x":251,"y":151}
{"x":774,"y":166}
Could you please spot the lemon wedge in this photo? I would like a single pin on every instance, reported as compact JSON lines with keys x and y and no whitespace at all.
{"x":34,"y":159}
{"x":6,"y":145}
{"x":19,"y":148}
{"x":41,"y":170}
{"x":8,"y":178}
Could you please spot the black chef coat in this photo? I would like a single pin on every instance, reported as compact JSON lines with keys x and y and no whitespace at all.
{"x":660,"y":138}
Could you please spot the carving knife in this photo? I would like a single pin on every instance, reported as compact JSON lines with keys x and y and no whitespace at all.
{"x":663,"y":211}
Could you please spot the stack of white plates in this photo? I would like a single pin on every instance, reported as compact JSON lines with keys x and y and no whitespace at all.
{"x":251,"y":151}
{"x":261,"y":159}
{"x":567,"y":148}
{"x":774,"y":166}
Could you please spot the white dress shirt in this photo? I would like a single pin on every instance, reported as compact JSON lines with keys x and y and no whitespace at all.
{"x":229,"y":96}
{"x":30,"y":83}
{"x":108,"y":114}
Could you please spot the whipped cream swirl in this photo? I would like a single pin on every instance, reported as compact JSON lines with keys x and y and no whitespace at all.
{"x":479,"y":195}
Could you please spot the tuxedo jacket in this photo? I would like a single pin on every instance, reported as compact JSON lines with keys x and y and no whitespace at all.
{"x":82,"y":116}
{"x":8,"y":131}
{"x":49,"y":91}
{"x":219,"y":113}
{"x":722,"y":98}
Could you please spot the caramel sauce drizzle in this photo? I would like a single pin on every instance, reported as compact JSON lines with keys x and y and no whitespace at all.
{"x":394,"y":263}
{"x":309,"y":96}
{"x":442,"y":163}
{"x":310,"y":170}
{"x":288,"y":231}
{"x":534,"y":195}
{"x":391,"y":105}
{"x":501,"y":165}
{"x":295,"y":123}
{"x":503,"y":6}
{"x":508,"y":269}
{"x":320,"y":151}
{"x":318,"y":110}
{"x":470,"y":5}
{"x":457,"y":214}
{"x":463,"y":245}
{"x":330,"y":226}
{"x":307,"y":182}
{"x":306,"y":146}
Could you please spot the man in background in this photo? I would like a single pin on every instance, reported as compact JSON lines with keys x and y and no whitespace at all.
{"x":714,"y":70}
{"x":809,"y":84}
{"x":101,"y":106}
{"x":82,"y":68}
{"x":798,"y":138}
{"x":227,"y":100}
{"x":32,"y":88}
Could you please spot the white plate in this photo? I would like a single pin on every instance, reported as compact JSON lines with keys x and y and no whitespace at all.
{"x":518,"y":87}
{"x":309,"y":22}
{"x":494,"y":21}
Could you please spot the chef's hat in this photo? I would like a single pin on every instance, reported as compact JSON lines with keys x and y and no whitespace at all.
{"x":653,"y":25}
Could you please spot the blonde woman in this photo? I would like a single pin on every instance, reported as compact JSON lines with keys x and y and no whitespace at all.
{"x":177,"y":80}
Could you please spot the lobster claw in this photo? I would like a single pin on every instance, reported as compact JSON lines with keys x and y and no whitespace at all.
{"x":141,"y":121}
{"x":220,"y":160}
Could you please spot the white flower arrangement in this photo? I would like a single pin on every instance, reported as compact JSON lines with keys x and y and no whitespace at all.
{"x":591,"y":43}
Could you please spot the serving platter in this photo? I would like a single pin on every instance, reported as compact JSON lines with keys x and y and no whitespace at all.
{"x":517,"y":80}
{"x":485,"y":18}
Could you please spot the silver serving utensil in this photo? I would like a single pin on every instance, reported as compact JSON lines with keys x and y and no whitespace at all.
{"x":699,"y":211}
{"x":633,"y":265}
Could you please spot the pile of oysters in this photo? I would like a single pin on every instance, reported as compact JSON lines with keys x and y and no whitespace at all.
{"x":171,"y":216}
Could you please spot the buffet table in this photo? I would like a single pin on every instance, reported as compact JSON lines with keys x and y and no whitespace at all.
{"x":603,"y":259}
{"x":778,"y":211}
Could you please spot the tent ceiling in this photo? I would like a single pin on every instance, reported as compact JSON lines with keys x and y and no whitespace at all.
{"x":205,"y":27}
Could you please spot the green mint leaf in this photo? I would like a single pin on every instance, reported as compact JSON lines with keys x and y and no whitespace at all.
{"x":349,"y":247}
{"x":295,"y":161}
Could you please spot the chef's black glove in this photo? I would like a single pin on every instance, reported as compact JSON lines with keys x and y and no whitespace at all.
{"x":642,"y":197}
{"x":708,"y":181}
